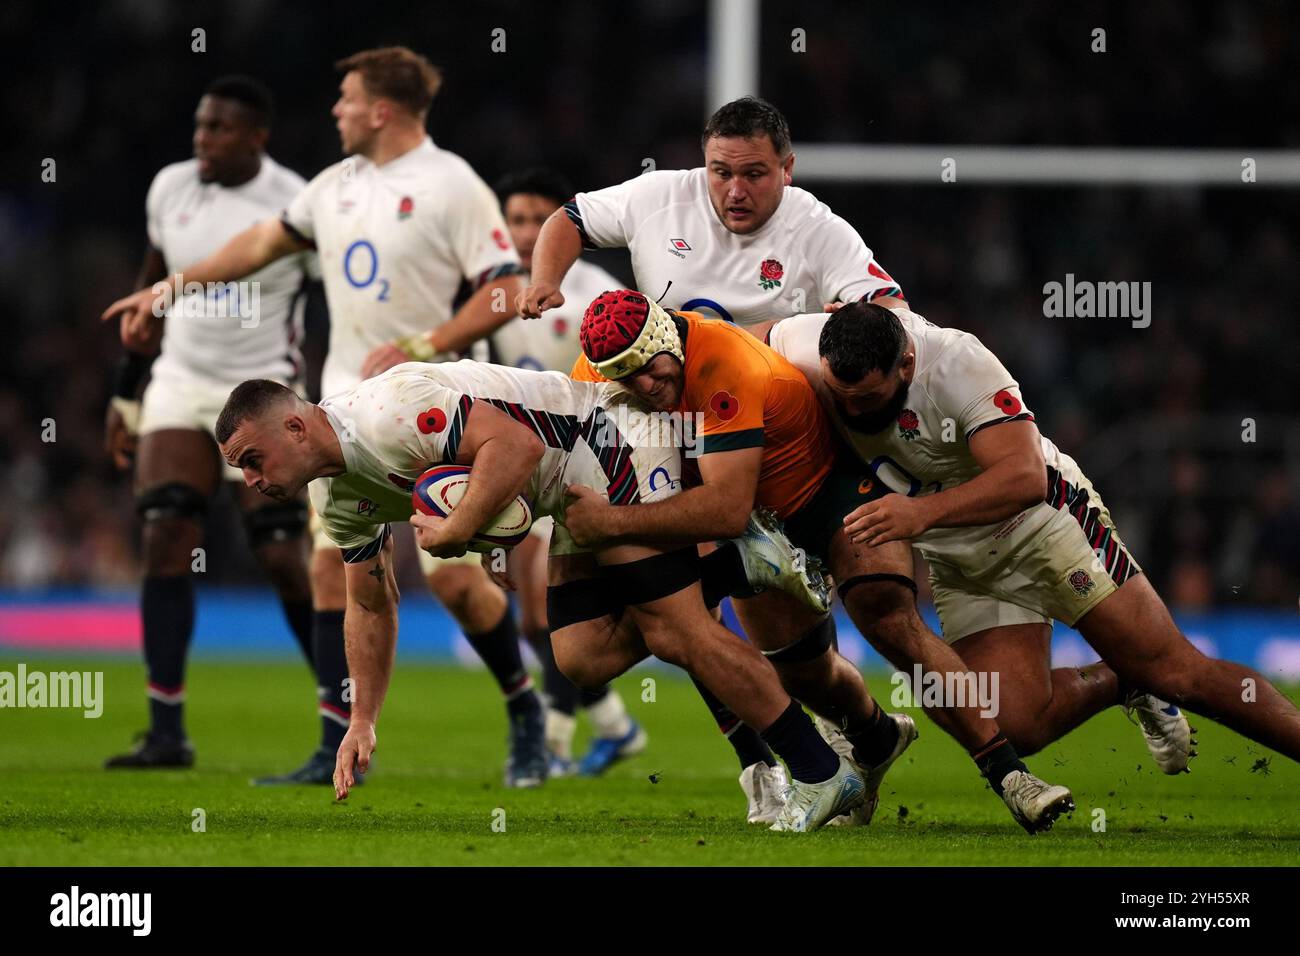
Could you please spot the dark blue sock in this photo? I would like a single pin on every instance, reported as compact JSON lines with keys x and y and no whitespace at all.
{"x":796,"y":741}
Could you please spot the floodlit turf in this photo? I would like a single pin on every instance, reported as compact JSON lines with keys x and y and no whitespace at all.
{"x":437,"y":790}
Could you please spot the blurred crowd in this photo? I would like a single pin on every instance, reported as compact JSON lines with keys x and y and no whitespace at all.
{"x":1157,"y":416}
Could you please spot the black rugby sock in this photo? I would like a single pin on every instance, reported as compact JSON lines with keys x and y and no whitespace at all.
{"x":167,"y":612}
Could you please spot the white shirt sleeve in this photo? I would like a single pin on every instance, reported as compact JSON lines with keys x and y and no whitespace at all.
{"x":970,"y":385}
{"x":347,"y":531}
{"x":153,"y":213}
{"x":479,"y":239}
{"x":609,"y":217}
{"x":796,"y":338}
{"x":299,"y":215}
{"x":849,"y":268}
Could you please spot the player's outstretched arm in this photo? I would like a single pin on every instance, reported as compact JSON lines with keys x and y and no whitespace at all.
{"x":716,"y":509}
{"x":370,"y":638}
{"x":559,"y":245}
{"x":253,"y":249}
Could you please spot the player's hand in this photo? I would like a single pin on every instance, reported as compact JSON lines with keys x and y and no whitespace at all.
{"x":353,"y":756}
{"x":382,"y":358}
{"x":140,"y":329}
{"x":437,"y":536}
{"x":586,"y":515}
{"x":832,"y":306}
{"x":891,"y":518}
{"x":501,"y":579}
{"x":119,"y":442}
{"x":537,"y":298}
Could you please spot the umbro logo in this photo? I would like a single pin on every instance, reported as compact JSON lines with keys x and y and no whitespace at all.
{"x":679,"y":247}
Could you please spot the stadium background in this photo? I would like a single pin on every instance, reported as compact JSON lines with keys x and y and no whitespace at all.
{"x":1154,"y":415}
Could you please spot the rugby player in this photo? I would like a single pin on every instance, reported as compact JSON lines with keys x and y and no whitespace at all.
{"x":1016,"y":537}
{"x":765,"y":440}
{"x":732,"y":239}
{"x":192,"y":208}
{"x":530,"y":433}
{"x":397,"y":226}
{"x":528,"y":197}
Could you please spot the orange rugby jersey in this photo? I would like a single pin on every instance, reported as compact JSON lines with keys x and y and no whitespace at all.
{"x":750,"y":397}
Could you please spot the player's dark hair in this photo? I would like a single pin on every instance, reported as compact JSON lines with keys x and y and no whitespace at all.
{"x":249,"y":400}
{"x":535,"y":181}
{"x":249,"y":93}
{"x":749,"y":116}
{"x":860,"y":338}
{"x":398,"y":74}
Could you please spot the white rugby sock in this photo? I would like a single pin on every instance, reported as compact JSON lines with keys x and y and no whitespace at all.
{"x":609,"y":717}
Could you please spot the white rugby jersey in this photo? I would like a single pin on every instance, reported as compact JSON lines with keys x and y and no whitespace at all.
{"x":686,"y":259}
{"x":551,"y":342}
{"x":959,"y":387}
{"x":395,"y":426}
{"x":394,"y":243}
{"x":188,"y":220}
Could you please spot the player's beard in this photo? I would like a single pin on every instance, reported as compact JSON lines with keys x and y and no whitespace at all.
{"x":873,"y":423}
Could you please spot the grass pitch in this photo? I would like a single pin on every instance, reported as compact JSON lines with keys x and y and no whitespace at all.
{"x":436,"y":790}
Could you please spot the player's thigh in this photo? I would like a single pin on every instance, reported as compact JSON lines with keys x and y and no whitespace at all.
{"x":528,"y":568}
{"x":1020,"y":654}
{"x":177,"y":456}
{"x":329,"y":587}
{"x":775,"y":620}
{"x":592,"y":638}
{"x":177,"y":419}
{"x":1134,"y":633}
{"x":848,"y":560}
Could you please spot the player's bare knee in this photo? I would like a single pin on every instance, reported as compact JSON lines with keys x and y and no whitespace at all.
{"x":173,"y":517}
{"x":883,"y":610}
{"x":586,"y":669}
{"x":454,"y":589}
{"x":664,"y":637}
{"x":807,"y":666}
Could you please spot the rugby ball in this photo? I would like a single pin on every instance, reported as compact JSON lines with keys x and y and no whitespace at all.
{"x":439,"y":490}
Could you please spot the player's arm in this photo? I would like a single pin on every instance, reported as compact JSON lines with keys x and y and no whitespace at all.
{"x":253,"y":249}
{"x":489,"y":308}
{"x":558,"y":247}
{"x":717,"y":508}
{"x":122,"y":419}
{"x":1013,"y":477}
{"x":370,"y":639}
{"x":504,"y":454}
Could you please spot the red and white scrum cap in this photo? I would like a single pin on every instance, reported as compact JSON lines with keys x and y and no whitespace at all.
{"x":623,"y":330}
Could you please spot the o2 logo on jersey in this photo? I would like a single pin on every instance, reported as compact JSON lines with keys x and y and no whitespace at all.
{"x":897,"y":478}
{"x":362,"y":250}
{"x":667,"y":481}
{"x":706,"y":306}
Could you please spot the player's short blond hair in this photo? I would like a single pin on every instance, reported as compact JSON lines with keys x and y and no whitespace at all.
{"x":398,"y":74}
